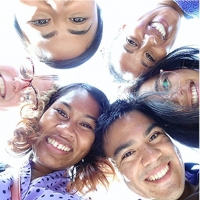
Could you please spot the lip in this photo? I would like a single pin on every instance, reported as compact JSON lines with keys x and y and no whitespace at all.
{"x":165,"y":170}
{"x":3,"y":83}
{"x":194,"y":94}
{"x":158,"y":30}
{"x":165,"y":26}
{"x":60,"y":144}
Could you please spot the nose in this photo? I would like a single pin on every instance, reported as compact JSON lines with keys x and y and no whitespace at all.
{"x":57,"y":4}
{"x":66,"y":129}
{"x":19,"y":84}
{"x":179,"y":97}
{"x":150,"y":40}
{"x":158,"y":49}
{"x":149,"y":155}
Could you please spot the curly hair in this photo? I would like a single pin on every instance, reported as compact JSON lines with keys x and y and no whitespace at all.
{"x":87,"y":173}
{"x":27,"y":129}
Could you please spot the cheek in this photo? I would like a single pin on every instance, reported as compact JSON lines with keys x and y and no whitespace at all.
{"x":15,"y":101}
{"x":86,"y":141}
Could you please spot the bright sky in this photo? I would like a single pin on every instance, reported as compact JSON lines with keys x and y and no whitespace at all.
{"x":115,"y":13}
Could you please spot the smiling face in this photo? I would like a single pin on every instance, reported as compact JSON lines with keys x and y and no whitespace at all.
{"x":12,"y":84}
{"x":64,"y":29}
{"x":184,"y":83}
{"x":143,"y":43}
{"x":145,"y":156}
{"x":67,"y":131}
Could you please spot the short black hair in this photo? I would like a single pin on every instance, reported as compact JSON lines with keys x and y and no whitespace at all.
{"x":179,"y":124}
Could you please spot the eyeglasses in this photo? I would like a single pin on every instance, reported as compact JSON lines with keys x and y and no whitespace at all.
{"x":168,"y":82}
{"x":26,"y":73}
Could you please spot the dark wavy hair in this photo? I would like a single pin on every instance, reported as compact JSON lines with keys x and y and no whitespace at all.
{"x":185,"y":57}
{"x":176,"y":123}
{"x":88,"y":173}
{"x":69,"y":63}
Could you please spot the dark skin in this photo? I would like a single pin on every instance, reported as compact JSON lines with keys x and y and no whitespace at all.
{"x":173,"y":5}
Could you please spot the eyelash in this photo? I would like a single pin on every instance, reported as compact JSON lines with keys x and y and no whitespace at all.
{"x":127,"y":154}
{"x":63,"y":114}
{"x":40,"y":22}
{"x":150,"y":58}
{"x":86,"y":125}
{"x":154,"y":136}
{"x":77,"y":19}
{"x":131,"y":42}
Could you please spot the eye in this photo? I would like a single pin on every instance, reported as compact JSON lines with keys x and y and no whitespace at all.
{"x":127,"y":154}
{"x":150,"y":58}
{"x":154,"y":136}
{"x":40,"y":22}
{"x":131,"y":42}
{"x":78,"y":19}
{"x":62,"y":113}
{"x":86,"y":125}
{"x":165,"y":84}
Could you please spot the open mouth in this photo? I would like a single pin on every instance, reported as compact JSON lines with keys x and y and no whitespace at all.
{"x":159,"y":174}
{"x":195,"y":98}
{"x":160,"y":28}
{"x":2,"y":87}
{"x":58,"y":145}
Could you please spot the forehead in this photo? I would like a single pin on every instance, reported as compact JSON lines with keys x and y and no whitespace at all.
{"x":77,"y":94}
{"x":131,"y":126}
{"x":132,"y":119}
{"x":80,"y":99}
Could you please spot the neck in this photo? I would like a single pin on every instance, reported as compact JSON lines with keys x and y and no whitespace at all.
{"x":38,"y":171}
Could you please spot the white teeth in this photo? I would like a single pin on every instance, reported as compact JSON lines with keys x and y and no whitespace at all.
{"x":2,"y":87}
{"x":194,"y":95}
{"x":159,"y":174}
{"x":57,"y":145}
{"x":159,"y":27}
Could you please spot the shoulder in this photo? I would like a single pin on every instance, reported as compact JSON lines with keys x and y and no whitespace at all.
{"x":189,"y":8}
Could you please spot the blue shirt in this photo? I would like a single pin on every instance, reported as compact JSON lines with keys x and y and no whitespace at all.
{"x":190,"y":8}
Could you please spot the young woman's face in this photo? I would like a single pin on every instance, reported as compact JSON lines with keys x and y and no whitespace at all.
{"x":181,"y":86}
{"x":143,"y":43}
{"x":67,"y":131}
{"x":63,"y":29}
{"x":12,"y":84}
{"x":145,"y":156}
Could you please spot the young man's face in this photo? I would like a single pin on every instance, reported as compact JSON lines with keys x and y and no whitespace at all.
{"x":145,"y":156}
{"x":141,"y":44}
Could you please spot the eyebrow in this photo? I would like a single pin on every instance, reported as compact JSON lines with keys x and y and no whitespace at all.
{"x":49,"y":35}
{"x":74,"y":32}
{"x":131,"y":142}
{"x":87,"y":116}
{"x":121,"y":147}
{"x":131,"y":52}
{"x":150,"y":128}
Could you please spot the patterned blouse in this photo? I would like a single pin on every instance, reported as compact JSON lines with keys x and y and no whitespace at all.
{"x":50,"y":186}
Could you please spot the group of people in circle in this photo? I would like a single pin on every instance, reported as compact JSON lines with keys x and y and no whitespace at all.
{"x":75,"y":138}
